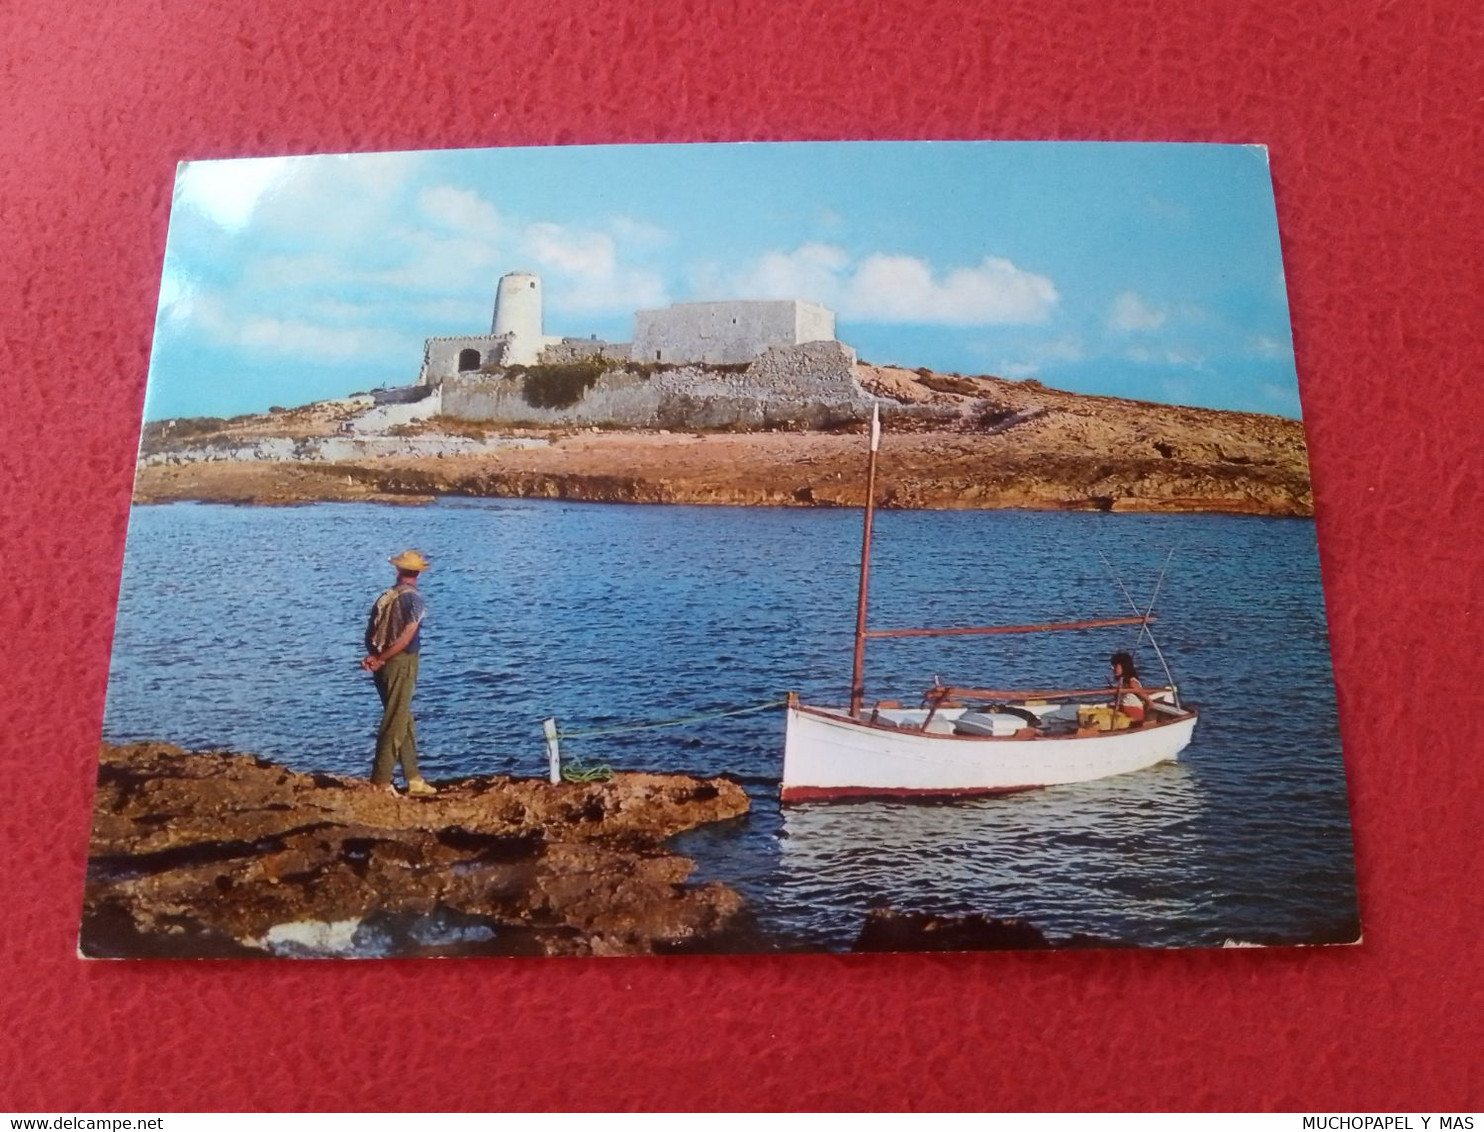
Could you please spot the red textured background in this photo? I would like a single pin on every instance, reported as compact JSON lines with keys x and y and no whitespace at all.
{"x":1372,"y":111}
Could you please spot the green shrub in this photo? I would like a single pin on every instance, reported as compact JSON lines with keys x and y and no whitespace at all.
{"x":647,"y":370}
{"x":558,"y":386}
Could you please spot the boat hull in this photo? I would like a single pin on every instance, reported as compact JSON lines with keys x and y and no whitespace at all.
{"x":829,"y":755}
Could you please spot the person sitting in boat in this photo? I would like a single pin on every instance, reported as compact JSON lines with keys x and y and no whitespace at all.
{"x":1129,"y":699}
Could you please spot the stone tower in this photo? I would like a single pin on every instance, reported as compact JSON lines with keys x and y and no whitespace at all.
{"x":518,"y":314}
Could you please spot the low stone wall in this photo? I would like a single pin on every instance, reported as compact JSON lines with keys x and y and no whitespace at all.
{"x":584,"y":349}
{"x":398,"y":394}
{"x":332,"y":449}
{"x":428,"y":402}
{"x":812,"y":385}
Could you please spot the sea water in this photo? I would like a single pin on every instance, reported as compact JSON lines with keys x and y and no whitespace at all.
{"x":240,"y":628}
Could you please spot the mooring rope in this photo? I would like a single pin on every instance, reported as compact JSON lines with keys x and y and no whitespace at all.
{"x":581,"y":772}
{"x":626,"y":728}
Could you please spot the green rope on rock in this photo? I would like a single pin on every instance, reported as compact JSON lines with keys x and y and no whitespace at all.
{"x":579,"y":772}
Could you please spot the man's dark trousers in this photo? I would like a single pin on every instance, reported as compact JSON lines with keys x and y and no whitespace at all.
{"x":395,"y":681}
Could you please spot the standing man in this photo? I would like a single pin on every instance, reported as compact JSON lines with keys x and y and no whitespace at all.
{"x":392,"y":646}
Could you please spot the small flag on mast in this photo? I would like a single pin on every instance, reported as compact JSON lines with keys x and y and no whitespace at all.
{"x":875,"y":427}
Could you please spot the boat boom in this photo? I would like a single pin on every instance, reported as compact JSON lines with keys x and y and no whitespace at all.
{"x":1101,"y":623}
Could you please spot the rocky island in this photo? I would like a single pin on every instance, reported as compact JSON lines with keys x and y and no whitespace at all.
{"x":955,"y":442}
{"x":218,"y":855}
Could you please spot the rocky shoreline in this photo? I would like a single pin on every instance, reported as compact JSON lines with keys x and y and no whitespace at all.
{"x":952,"y":443}
{"x":217,"y":855}
{"x":935,"y":471}
{"x":220,"y":855}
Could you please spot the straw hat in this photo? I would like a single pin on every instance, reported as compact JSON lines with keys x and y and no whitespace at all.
{"x":409,"y":560}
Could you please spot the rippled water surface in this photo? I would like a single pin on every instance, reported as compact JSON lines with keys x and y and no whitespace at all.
{"x":240,"y":628}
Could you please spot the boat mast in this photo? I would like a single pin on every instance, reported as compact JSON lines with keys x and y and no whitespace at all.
{"x":858,"y":675}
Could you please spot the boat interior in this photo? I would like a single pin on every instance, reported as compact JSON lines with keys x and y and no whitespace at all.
{"x":1031,"y":718}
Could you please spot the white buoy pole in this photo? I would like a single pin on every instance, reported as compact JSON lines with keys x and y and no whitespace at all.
{"x":553,"y":750}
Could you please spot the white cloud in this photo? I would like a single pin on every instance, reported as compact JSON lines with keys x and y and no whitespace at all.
{"x":1165,"y":356}
{"x":437,"y":264}
{"x":278,"y":272}
{"x":582,"y":271}
{"x":1032,"y":358}
{"x":460,"y":210}
{"x":423,"y":262}
{"x":331,"y":309}
{"x":1131,"y":313}
{"x":638,"y":233}
{"x":341,"y":204}
{"x":355,"y":247}
{"x":311,"y":340}
{"x":468,"y":312}
{"x":177,"y":292}
{"x":228,"y":192}
{"x":899,"y":288}
{"x":812,"y":271}
{"x":269,"y":334}
{"x":904,"y":289}
{"x":627,"y":291}
{"x":588,"y":255}
{"x":1267,"y":347}
{"x":1062,"y":350}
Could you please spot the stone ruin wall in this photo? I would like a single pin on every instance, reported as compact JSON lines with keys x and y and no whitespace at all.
{"x":584,"y":349}
{"x":441,"y":355}
{"x":711,"y":333}
{"x":812,"y":385}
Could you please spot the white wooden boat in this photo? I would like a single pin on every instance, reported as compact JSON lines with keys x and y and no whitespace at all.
{"x":964,"y":741}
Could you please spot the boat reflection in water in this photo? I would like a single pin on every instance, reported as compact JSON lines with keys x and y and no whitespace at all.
{"x":1111,"y":858}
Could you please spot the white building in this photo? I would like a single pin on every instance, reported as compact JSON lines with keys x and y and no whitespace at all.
{"x":719,"y":333}
{"x":728,"y":333}
{"x":515,"y":336}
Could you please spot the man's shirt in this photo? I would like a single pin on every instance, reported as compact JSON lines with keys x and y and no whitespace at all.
{"x":394,"y":610}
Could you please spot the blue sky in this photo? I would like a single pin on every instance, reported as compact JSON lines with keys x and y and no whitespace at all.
{"x":1138,"y":270}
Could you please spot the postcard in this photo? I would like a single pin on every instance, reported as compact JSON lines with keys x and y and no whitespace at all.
{"x":635,"y":550}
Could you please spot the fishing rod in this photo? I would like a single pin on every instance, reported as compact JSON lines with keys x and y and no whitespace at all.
{"x":1158,"y":582}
